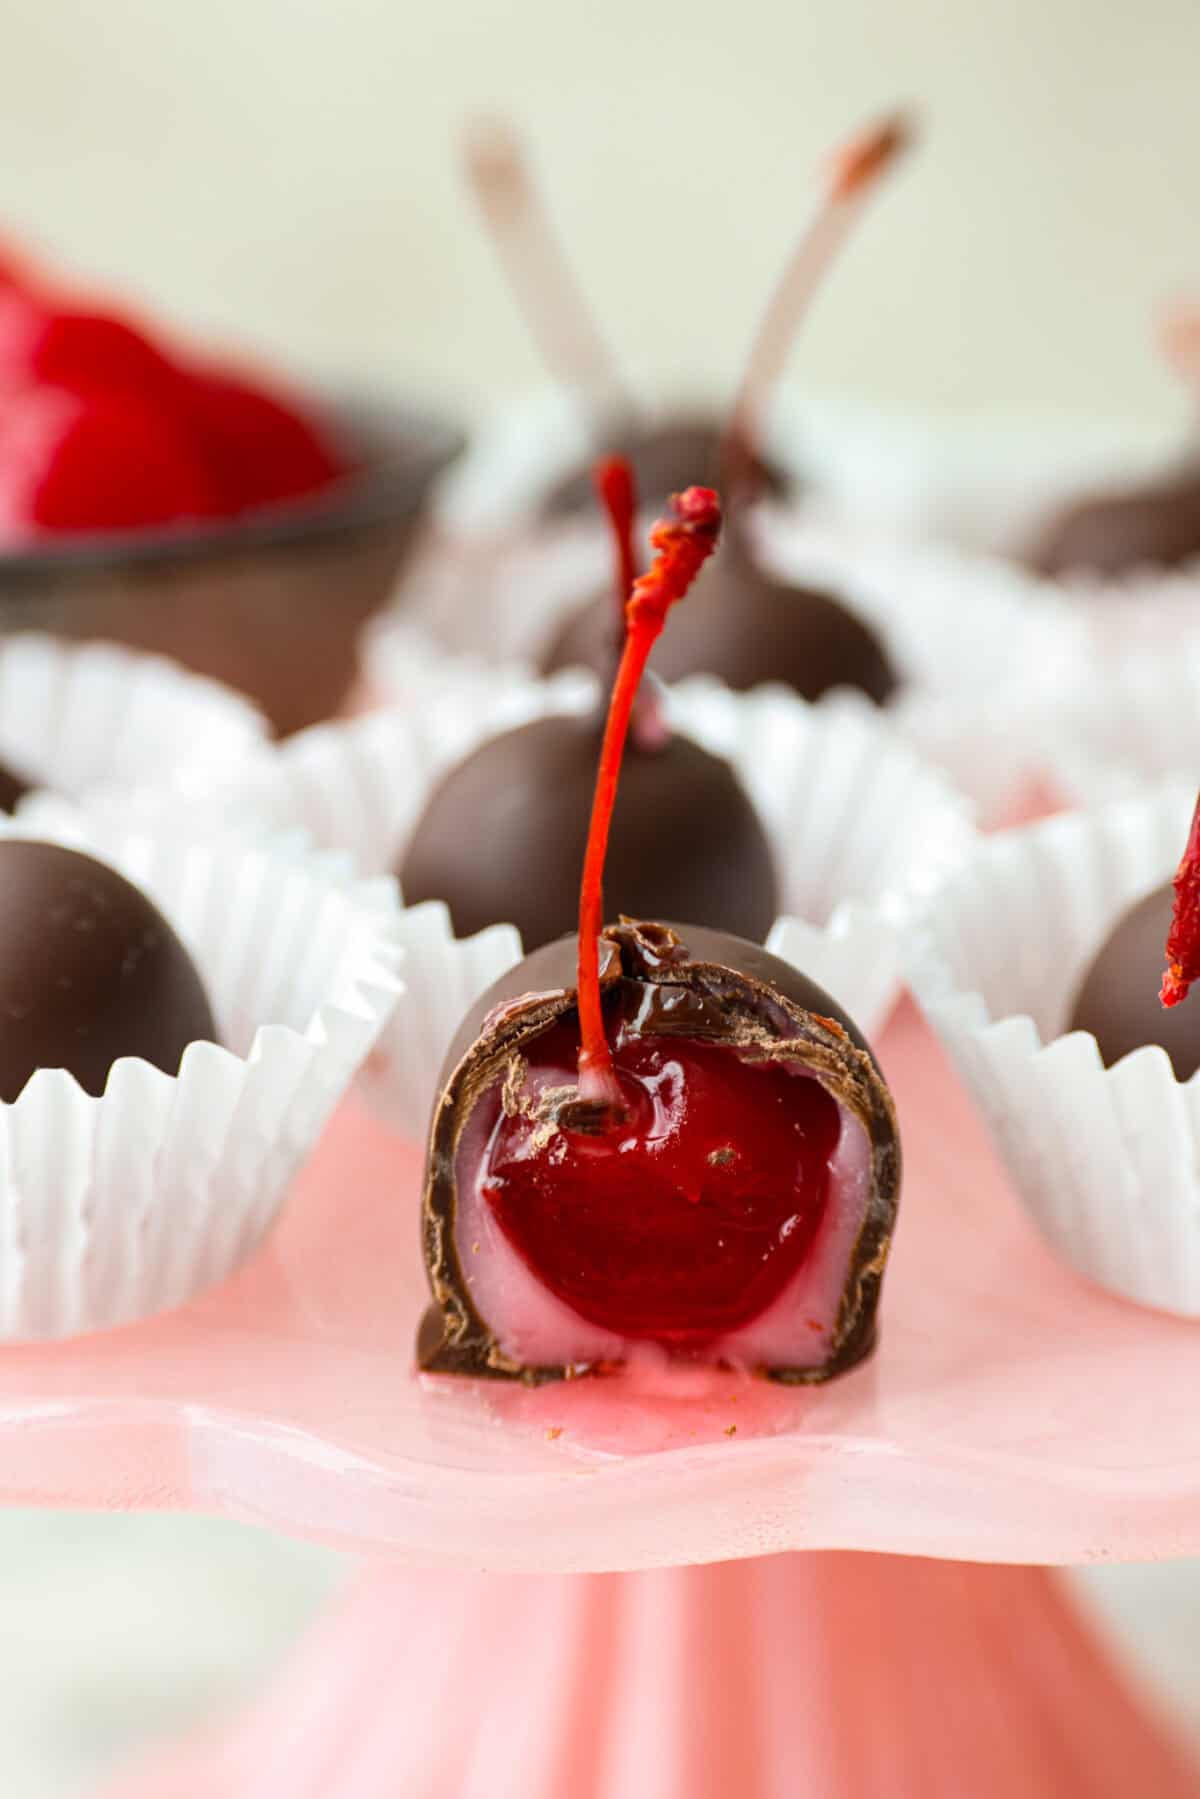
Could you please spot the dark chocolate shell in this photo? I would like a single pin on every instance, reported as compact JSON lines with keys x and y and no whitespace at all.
{"x":747,"y":628}
{"x":13,"y":787}
{"x":1118,"y":997}
{"x":90,"y":971}
{"x":503,"y":836}
{"x":1156,"y":526}
{"x":698,"y":984}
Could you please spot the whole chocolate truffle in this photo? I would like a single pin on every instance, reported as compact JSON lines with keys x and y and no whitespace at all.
{"x":90,"y":971}
{"x":740,"y":1213}
{"x":1118,"y":996}
{"x":666,"y":458}
{"x":503,"y":835}
{"x":746,"y":627}
{"x":13,"y":787}
{"x":1156,"y":526}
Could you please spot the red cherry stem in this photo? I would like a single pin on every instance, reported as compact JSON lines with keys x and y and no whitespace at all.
{"x":617,"y":492}
{"x":852,"y":173}
{"x":548,"y":297}
{"x":681,"y":545}
{"x":1183,"y":939}
{"x":1179,"y":337}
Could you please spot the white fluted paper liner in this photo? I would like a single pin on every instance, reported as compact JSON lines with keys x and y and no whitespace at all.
{"x":1118,"y":728}
{"x":861,"y":829}
{"x":1106,"y":1160}
{"x":78,"y":717}
{"x":1143,"y":612}
{"x":115,"y":1208}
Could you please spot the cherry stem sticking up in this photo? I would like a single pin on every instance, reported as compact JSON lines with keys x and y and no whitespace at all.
{"x":548,"y":296}
{"x":1179,"y":337}
{"x":681,"y":545}
{"x":1183,"y":939}
{"x":852,"y":173}
{"x":617,"y":492}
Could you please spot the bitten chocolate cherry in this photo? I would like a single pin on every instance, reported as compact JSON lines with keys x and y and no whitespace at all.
{"x":656,"y":1139}
{"x":90,"y":971}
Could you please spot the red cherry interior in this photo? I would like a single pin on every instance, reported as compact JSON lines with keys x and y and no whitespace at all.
{"x":687,"y":1219}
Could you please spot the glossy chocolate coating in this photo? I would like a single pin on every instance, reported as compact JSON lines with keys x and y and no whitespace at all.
{"x":89,"y":971}
{"x":712,"y":986}
{"x":1118,"y":996}
{"x":13,"y":787}
{"x":682,"y":451}
{"x":1156,"y":526}
{"x":503,"y":836}
{"x":746,"y":627}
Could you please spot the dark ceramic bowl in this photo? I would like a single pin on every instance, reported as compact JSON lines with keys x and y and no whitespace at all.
{"x":271,"y":602}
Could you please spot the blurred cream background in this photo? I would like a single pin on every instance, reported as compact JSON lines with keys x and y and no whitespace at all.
{"x":282,"y":173}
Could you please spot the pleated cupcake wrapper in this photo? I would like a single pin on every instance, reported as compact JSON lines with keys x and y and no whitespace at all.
{"x":1106,"y":1160}
{"x":81,"y":717}
{"x":860,"y":828}
{"x":1121,"y":726}
{"x":1142,"y":613}
{"x":981,"y":648}
{"x":116,"y":1208}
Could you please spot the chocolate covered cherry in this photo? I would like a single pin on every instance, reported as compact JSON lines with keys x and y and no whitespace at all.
{"x":1157,"y":525}
{"x":655,"y":1137}
{"x":1118,"y":1001}
{"x":90,"y":971}
{"x":747,"y":627}
{"x":664,"y":457}
{"x":688,"y":446}
{"x":13,"y":787}
{"x":503,"y":834}
{"x":744,"y":624}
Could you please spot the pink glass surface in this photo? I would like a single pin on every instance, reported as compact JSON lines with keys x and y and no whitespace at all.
{"x":1011,"y":1413}
{"x":835,"y":1676}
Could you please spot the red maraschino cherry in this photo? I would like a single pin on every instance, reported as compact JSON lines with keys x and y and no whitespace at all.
{"x":102,"y":462}
{"x":77,"y":348}
{"x":259,"y":440}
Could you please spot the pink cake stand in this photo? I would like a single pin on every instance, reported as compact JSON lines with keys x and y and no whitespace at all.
{"x":1012,"y":1415}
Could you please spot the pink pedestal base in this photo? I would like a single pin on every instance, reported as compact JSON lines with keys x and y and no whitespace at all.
{"x":833,"y":1676}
